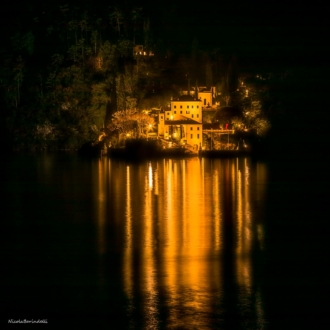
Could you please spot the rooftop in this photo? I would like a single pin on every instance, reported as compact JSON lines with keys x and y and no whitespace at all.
{"x":182,"y":121}
{"x":186,"y":98}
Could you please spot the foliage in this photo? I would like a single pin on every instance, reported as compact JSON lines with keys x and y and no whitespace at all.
{"x":131,"y":123}
{"x":228,"y":115}
{"x":123,"y":121}
{"x":144,"y":122}
{"x":60,"y":73}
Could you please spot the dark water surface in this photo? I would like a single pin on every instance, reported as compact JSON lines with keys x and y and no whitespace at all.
{"x":168,"y":244}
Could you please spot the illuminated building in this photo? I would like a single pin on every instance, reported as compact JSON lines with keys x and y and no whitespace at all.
{"x":182,"y":122}
{"x":206,"y":95}
{"x":138,"y":50}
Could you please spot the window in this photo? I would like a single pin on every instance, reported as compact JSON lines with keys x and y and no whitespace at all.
{"x":175,"y":107}
{"x":187,"y":106}
{"x":187,"y":111}
{"x":197,"y":136}
{"x":191,"y":128}
{"x":197,"y":115}
{"x":180,"y":106}
{"x":204,"y":101}
{"x":181,"y":112}
{"x":191,"y":136}
{"x":192,"y":116}
{"x":197,"y":107}
{"x":161,"y":117}
{"x":192,"y":106}
{"x":197,"y":128}
{"x":174,"y":112}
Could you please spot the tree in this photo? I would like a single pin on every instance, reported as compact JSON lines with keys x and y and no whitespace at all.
{"x":123,"y":121}
{"x":147,"y":34}
{"x":100,"y":99}
{"x":208,"y":71}
{"x":226,"y":98}
{"x":255,"y":120}
{"x":144,"y":122}
{"x":116,"y":17}
{"x":131,"y":122}
{"x":232,"y":76}
{"x":136,"y":18}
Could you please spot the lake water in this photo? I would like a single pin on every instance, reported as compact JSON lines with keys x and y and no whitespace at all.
{"x":167,"y":244}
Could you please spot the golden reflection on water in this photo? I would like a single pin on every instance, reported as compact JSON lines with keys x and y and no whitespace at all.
{"x":148,"y":265}
{"x":101,"y":198}
{"x":177,"y":222}
{"x":128,"y":273}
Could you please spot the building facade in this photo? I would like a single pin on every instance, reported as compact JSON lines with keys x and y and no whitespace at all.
{"x":182,"y":122}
